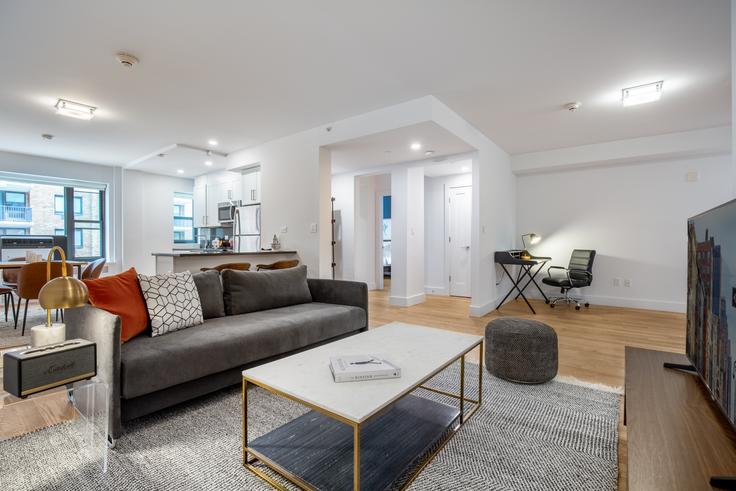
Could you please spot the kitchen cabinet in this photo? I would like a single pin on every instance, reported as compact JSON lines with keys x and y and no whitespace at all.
{"x":251,"y":187}
{"x":200,"y":205}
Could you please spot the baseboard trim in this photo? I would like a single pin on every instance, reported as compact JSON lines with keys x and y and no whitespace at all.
{"x":408,"y":301}
{"x":632,"y":303}
{"x":483,"y":309}
{"x":435,"y":290}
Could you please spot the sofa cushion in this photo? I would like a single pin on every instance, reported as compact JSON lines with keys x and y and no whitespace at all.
{"x":253,"y":291}
{"x":172,"y":301}
{"x":209,"y":287}
{"x":121,"y":295}
{"x":151,"y":364}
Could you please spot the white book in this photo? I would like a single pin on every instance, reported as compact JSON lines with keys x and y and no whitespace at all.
{"x":353,"y":368}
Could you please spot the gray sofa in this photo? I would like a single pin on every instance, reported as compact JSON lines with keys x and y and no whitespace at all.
{"x":250,"y":318}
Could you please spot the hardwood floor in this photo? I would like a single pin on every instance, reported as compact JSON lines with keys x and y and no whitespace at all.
{"x":591,"y":341}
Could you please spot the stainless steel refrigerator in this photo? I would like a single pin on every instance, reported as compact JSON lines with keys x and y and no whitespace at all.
{"x":247,"y":228}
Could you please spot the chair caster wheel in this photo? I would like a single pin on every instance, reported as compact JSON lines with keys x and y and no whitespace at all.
{"x":551,"y":305}
{"x":587,"y":305}
{"x":546,"y":301}
{"x":577,"y":307}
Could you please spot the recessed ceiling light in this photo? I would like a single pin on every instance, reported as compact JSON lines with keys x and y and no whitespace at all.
{"x":75,"y":109}
{"x":642,"y":94}
{"x":416,"y":146}
{"x":179,"y":171}
{"x":429,"y":153}
{"x":465,"y":168}
{"x":212,"y":142}
{"x":208,"y":163}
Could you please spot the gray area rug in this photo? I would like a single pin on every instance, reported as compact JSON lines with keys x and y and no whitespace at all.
{"x":10,"y":336}
{"x":554,"y":436}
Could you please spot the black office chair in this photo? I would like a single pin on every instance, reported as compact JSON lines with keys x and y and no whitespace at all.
{"x":578,"y":274}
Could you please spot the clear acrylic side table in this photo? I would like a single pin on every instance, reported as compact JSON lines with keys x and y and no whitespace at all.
{"x":82,"y":409}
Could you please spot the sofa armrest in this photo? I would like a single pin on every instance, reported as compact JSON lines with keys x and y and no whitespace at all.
{"x":352,"y":293}
{"x":102,"y":328}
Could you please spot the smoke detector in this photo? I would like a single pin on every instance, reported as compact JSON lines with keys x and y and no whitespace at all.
{"x":126,"y":59}
{"x":47,"y":136}
{"x":573,"y":106}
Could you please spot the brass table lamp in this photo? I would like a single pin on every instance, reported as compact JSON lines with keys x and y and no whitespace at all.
{"x":63,"y":292}
{"x":533,"y":239}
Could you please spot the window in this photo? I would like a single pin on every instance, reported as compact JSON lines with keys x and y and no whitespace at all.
{"x":183,"y":218}
{"x":14,"y":198}
{"x":78,"y":239}
{"x":58,"y":231}
{"x":14,"y":231}
{"x":59,"y":204}
{"x":78,"y":206}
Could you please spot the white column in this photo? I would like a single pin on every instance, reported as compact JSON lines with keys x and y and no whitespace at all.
{"x":407,"y":236}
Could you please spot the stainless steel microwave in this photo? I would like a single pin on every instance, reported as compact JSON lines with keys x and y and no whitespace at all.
{"x":226,"y":211}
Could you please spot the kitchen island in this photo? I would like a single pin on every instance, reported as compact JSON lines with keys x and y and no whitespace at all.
{"x":177,"y":261}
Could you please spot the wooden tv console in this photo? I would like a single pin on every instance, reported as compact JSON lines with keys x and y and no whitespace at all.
{"x":677,"y":437}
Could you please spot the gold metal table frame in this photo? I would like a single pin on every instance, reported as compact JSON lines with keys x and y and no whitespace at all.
{"x":249,"y":463}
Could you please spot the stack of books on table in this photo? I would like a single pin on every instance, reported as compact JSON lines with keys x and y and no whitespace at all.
{"x":354,"y":368}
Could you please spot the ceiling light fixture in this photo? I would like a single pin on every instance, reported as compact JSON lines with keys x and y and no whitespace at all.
{"x":179,"y":171}
{"x":573,"y":106}
{"x":416,"y":146}
{"x":126,"y":59}
{"x":208,"y":163}
{"x":642,"y":94}
{"x":212,"y":142}
{"x":75,"y":109}
{"x":429,"y":153}
{"x":47,"y":136}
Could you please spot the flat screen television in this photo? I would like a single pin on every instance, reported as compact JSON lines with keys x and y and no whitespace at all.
{"x":711,"y":303}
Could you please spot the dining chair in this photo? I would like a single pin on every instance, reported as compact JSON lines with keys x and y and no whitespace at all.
{"x":94,"y":269}
{"x":8,"y":300}
{"x":8,"y":285}
{"x":31,"y":279}
{"x":289,"y":263}
{"x":235,"y":266}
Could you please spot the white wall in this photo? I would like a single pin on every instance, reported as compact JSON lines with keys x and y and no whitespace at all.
{"x":343,"y":190}
{"x":148,"y":201}
{"x":633,"y":215}
{"x":435,"y":226}
{"x":407,"y":236}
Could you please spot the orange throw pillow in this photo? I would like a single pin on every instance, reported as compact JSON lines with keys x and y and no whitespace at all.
{"x":121,"y":295}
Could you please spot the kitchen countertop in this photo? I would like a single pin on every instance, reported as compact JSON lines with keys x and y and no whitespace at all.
{"x":186,"y":253}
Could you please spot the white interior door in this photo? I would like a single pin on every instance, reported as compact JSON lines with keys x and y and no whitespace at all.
{"x":460,"y":208}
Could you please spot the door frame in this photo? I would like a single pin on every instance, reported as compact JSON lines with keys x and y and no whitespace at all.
{"x":446,"y":279}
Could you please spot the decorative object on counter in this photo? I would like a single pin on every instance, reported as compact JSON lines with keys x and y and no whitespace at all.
{"x":172,"y":300}
{"x":216,"y":243}
{"x":32,"y":370}
{"x":235,"y":266}
{"x":275,"y":244}
{"x":289,"y":263}
{"x":62,"y":292}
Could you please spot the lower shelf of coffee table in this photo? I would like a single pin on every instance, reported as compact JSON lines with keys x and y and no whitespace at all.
{"x":319,"y":449}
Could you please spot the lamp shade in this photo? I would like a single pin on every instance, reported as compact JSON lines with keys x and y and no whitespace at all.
{"x":63,"y":292}
{"x":534,"y":239}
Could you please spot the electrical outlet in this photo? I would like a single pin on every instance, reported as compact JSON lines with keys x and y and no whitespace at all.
{"x":617,"y":282}
{"x":313,"y":228}
{"x":284,"y":229}
{"x":627,"y":283}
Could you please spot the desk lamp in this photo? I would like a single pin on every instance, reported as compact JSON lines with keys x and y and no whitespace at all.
{"x":533,"y":239}
{"x":63,"y":292}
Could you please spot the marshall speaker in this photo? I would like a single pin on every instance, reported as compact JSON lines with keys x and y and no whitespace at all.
{"x":32,"y":370}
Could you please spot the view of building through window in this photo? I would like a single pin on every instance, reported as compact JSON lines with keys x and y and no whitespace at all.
{"x":42,"y":209}
{"x":183,"y":218}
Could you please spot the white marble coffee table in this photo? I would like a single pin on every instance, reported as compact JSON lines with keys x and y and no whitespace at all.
{"x":361,"y":434}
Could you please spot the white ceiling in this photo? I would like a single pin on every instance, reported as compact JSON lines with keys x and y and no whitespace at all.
{"x":245,"y":72}
{"x":449,"y":168}
{"x":391,"y":147}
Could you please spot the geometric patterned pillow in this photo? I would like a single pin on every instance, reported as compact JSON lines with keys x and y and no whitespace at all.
{"x":172,"y":301}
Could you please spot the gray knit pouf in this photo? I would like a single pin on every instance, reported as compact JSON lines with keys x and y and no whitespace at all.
{"x":521,"y":350}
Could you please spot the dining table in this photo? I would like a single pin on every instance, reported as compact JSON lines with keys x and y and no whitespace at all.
{"x":19,"y":264}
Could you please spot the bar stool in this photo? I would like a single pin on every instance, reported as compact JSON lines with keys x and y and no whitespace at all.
{"x":289,"y":263}
{"x":235,"y":266}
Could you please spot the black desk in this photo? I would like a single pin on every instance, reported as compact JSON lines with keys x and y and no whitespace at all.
{"x":526,"y":269}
